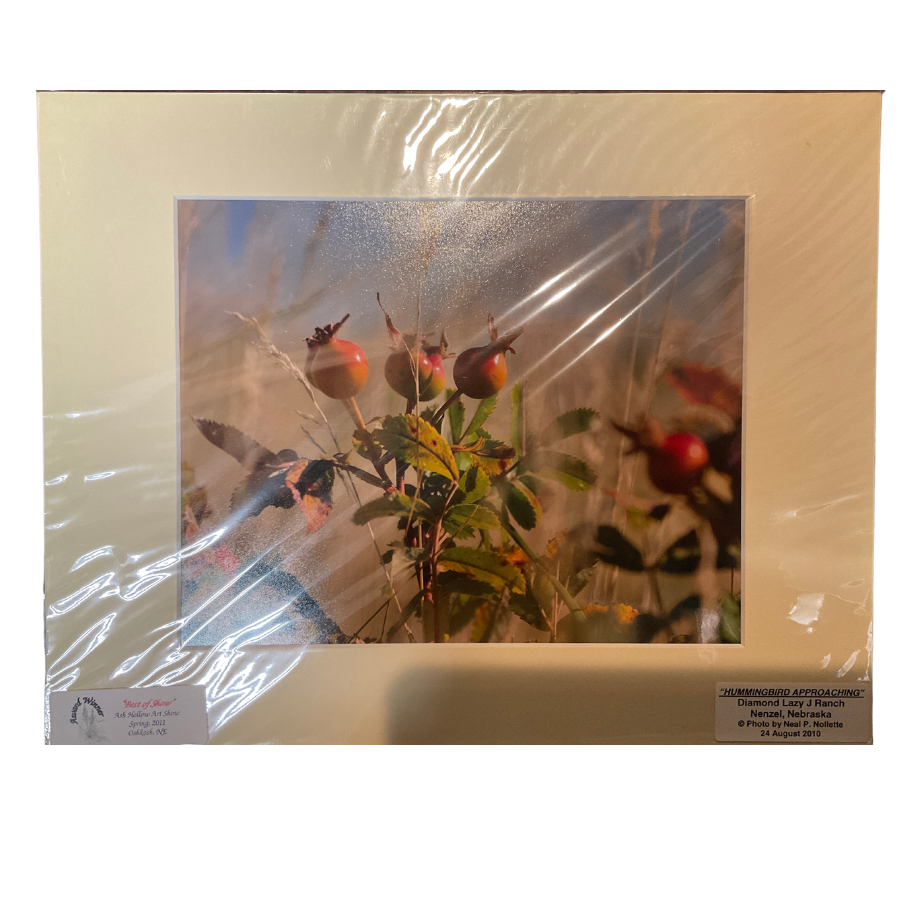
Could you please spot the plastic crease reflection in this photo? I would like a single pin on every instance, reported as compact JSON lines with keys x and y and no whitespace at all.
{"x":452,"y":144}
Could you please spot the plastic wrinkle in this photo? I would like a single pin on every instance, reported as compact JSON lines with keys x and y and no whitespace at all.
{"x":807,"y":608}
{"x":92,"y":638}
{"x":90,"y":557}
{"x":566,"y":468}
{"x":73,"y":601}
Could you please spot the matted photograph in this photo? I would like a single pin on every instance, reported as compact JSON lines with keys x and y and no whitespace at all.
{"x":479,"y":421}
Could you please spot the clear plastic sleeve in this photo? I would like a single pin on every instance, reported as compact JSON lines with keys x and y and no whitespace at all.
{"x":457,"y":370}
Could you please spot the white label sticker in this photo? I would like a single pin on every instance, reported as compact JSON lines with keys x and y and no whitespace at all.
{"x":794,"y":713}
{"x":157,"y":715}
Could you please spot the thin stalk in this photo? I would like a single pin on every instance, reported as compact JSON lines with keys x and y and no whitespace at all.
{"x":452,"y":537}
{"x":312,"y":440}
{"x":431,"y":584}
{"x":627,"y":477}
{"x":554,"y":612}
{"x":692,"y":206}
{"x":344,"y":470}
{"x":384,"y":621}
{"x":558,"y":586}
{"x":449,"y":401}
{"x":416,"y":358}
{"x":653,"y":578}
{"x":266,"y":346}
{"x":360,"y":423}
{"x":377,"y":611}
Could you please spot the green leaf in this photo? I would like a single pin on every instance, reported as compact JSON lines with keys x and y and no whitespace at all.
{"x":575,"y":421}
{"x":484,"y":566}
{"x":456,"y":416}
{"x":617,"y":550}
{"x":428,"y":414}
{"x":399,"y":560}
{"x":637,"y":517}
{"x":469,"y":595}
{"x":543,"y":589}
{"x":432,"y":489}
{"x":472,"y":447}
{"x":682,"y":557}
{"x":527,"y":607}
{"x":418,"y":444}
{"x":532,"y":482}
{"x":485,"y":408}
{"x":363,"y":475}
{"x":454,"y":583}
{"x":473,"y":486}
{"x":521,"y":503}
{"x":408,"y":610}
{"x":492,"y":456}
{"x":569,"y":471}
{"x":471,"y":516}
{"x":361,"y":446}
{"x":465,"y":612}
{"x":392,"y":505}
{"x":517,"y":425}
{"x":494,"y":450}
{"x":579,"y":580}
{"x":730,"y":623}
{"x":484,"y":621}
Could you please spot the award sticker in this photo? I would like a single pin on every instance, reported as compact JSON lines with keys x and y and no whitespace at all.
{"x":794,"y":713}
{"x":157,"y":715}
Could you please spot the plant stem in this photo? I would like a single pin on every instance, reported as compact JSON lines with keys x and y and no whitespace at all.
{"x":489,"y":629}
{"x":653,"y":578}
{"x":707,"y":583}
{"x":356,"y":634}
{"x":560,"y":588}
{"x":431,"y":586}
{"x":360,"y":423}
{"x":384,"y":622}
{"x":449,"y":402}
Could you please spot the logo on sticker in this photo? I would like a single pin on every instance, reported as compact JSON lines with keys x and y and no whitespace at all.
{"x":87,"y":715}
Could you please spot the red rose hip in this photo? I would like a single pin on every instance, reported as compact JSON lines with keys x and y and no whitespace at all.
{"x":337,"y":368}
{"x":480,"y":372}
{"x":676,"y":465}
{"x":436,"y":354}
{"x":400,"y":372}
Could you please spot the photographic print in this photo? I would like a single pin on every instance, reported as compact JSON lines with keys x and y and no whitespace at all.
{"x":479,"y":421}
